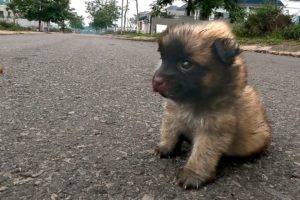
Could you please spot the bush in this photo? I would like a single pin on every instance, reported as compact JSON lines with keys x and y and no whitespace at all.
{"x":54,"y":30}
{"x":10,"y":26}
{"x":237,"y":14}
{"x":67,"y":30}
{"x":265,"y":20}
{"x":291,"y":32}
{"x":239,"y":29}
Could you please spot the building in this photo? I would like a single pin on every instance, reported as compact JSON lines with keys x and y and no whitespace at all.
{"x":4,"y":14}
{"x":144,"y":22}
{"x":176,"y":11}
{"x":258,"y":3}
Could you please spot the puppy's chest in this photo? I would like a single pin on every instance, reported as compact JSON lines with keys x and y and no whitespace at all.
{"x":192,"y":120}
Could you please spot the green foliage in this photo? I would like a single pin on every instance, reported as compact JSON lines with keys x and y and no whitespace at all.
{"x":103,"y":13}
{"x":265,"y":20}
{"x":157,"y":10}
{"x":135,"y":34}
{"x":11,"y":26}
{"x":41,"y":10}
{"x":291,"y":32}
{"x":267,"y":40}
{"x":206,"y":7}
{"x":54,"y":30}
{"x":238,"y":29}
{"x":237,"y":13}
{"x":76,"y":21}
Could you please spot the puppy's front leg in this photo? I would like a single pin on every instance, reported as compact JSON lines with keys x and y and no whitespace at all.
{"x":170,"y":134}
{"x":202,"y":163}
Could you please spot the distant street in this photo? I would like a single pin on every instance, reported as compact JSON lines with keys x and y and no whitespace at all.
{"x":79,"y":120}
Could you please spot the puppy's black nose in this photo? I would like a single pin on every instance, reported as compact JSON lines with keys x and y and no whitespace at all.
{"x":159,"y":84}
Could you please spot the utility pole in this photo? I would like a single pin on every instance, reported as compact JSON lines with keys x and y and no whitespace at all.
{"x":122,"y":17}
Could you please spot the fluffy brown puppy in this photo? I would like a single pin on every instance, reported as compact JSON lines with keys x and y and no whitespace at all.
{"x":208,"y":101}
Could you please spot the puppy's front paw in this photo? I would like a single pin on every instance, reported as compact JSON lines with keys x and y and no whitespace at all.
{"x":188,"y":179}
{"x":163,"y":152}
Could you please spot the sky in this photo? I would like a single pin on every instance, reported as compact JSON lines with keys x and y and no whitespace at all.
{"x":293,"y":7}
{"x":144,"y":5}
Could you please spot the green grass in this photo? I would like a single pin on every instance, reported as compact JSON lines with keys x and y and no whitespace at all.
{"x":134,"y":34}
{"x":261,"y":40}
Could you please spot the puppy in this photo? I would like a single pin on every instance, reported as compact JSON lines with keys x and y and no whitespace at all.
{"x":208,"y":101}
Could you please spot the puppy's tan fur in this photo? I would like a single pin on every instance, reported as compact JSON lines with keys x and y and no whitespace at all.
{"x":232,"y":123}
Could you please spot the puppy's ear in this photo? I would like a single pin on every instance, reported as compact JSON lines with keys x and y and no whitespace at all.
{"x":226,"y":50}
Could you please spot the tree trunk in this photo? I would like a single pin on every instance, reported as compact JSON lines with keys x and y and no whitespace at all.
{"x":48,"y":27}
{"x":203,"y":16}
{"x":40,"y":25}
{"x":63,"y":26}
{"x":189,"y":7}
{"x":150,"y":31}
{"x":125,"y":15}
{"x":137,"y":17}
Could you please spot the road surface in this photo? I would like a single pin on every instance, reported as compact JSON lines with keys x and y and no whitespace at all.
{"x":78,"y":120}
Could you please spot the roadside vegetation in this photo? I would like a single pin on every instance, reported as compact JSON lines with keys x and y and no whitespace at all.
{"x":55,"y":11}
{"x":266,"y":24}
{"x":11,"y":27}
{"x":263,"y":25}
{"x":134,"y":34}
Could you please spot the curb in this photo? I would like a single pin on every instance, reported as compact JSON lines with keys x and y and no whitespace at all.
{"x":267,"y":50}
{"x":135,"y":38}
{"x":19,"y":32}
{"x":250,"y":48}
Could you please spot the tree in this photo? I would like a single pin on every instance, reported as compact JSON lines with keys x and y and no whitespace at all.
{"x":103,"y":13}
{"x":76,"y":21}
{"x":156,"y":8}
{"x":59,"y":11}
{"x":158,"y":11}
{"x":41,"y":10}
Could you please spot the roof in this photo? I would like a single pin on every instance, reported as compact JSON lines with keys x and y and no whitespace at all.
{"x":182,"y":7}
{"x":144,"y":13}
{"x":257,"y":2}
{"x":172,"y":8}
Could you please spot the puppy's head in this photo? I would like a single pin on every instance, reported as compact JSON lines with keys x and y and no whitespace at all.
{"x":196,"y":62}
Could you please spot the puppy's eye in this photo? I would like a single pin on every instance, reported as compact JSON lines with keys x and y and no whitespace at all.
{"x":186,"y":66}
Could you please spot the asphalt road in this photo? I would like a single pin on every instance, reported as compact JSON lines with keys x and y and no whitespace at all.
{"x":78,"y":120}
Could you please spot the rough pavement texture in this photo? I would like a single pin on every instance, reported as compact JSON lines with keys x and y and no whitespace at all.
{"x":78,"y":120}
